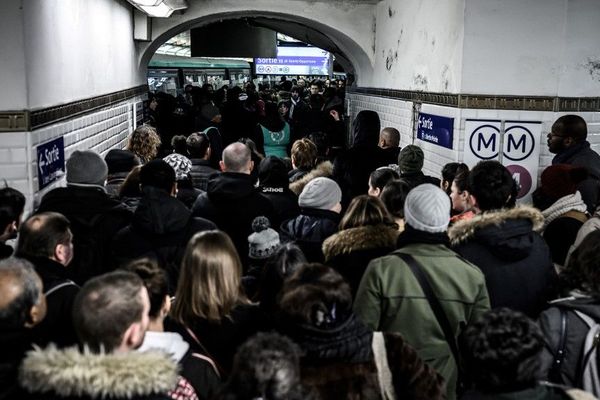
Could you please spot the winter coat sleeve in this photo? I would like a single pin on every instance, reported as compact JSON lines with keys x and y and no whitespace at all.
{"x":367,"y":304}
{"x":411,"y":376}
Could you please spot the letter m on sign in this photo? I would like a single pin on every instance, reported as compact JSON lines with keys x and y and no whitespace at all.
{"x":515,"y":145}
{"x":490,"y":142}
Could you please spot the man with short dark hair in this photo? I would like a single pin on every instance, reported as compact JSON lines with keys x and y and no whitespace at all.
{"x":111,"y":318}
{"x":95,"y":217}
{"x":389,"y":141}
{"x":119,"y":163}
{"x":567,"y":139}
{"x":161,"y":225}
{"x":12,"y":204}
{"x":503,"y":241}
{"x":198,"y":147}
{"x":22,"y":306}
{"x":231,"y":201}
{"x":47,"y":242}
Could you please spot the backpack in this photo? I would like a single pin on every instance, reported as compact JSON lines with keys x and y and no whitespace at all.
{"x":587,"y":376}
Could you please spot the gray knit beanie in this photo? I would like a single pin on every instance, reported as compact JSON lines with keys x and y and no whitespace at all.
{"x":322,"y":193}
{"x":86,"y":168}
{"x":411,"y":159}
{"x":427,"y":208}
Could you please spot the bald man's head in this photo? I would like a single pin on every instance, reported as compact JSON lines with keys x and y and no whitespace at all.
{"x":236,"y":158}
{"x":22,"y":302}
{"x":389,"y":137}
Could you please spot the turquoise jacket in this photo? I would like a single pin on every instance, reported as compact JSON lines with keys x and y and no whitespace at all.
{"x":390,"y":299}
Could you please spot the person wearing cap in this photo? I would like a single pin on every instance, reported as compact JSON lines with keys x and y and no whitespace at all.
{"x":390,"y":298}
{"x":562,"y":207}
{"x":504,"y":242}
{"x":120,"y":163}
{"x":95,"y":217}
{"x":410,"y":164}
{"x":320,"y":207}
{"x":568,"y":140}
{"x":262,"y":244}
{"x":161,"y":225}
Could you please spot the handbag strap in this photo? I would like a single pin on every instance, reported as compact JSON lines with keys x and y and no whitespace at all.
{"x":434,"y":303}
{"x":560,"y":352}
{"x":219,"y":369}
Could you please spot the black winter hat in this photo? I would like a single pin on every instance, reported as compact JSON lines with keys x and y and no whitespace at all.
{"x":120,"y":161}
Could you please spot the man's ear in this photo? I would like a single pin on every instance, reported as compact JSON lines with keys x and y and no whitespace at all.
{"x":61,"y":253}
{"x":174,"y":189}
{"x":251,"y":166}
{"x":36,"y":313}
{"x":568,"y":141}
{"x":222,"y":166}
{"x":133,"y":336}
{"x":208,"y":153}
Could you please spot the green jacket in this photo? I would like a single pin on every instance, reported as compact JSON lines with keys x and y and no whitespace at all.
{"x":390,"y":299}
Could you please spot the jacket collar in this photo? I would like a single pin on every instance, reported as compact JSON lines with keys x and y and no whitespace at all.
{"x":323,"y":169}
{"x":464,"y":230}
{"x":359,"y":238}
{"x":106,"y":375}
{"x":564,"y":156}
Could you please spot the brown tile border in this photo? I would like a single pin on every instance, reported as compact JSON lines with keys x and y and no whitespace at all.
{"x":28,"y":120}
{"x":491,"y":102}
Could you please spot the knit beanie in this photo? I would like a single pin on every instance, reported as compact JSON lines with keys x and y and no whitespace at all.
{"x":427,"y":208}
{"x":264,"y":241}
{"x":86,"y":168}
{"x":180,"y":164}
{"x":411,"y":159}
{"x":322,"y":193}
{"x":561,"y":180}
{"x":119,"y":160}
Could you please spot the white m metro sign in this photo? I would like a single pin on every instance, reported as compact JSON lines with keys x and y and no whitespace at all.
{"x":515,"y":144}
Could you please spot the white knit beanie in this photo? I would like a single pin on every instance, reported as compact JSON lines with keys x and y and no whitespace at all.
{"x":322,"y":193}
{"x":427,"y":208}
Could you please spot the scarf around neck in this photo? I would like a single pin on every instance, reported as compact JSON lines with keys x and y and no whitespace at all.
{"x":571,"y":202}
{"x":411,"y":235}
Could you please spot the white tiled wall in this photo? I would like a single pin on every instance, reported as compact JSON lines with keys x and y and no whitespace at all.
{"x":399,"y":114}
{"x":100,"y":131}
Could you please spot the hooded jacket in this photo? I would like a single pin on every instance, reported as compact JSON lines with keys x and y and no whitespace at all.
{"x":576,"y":331}
{"x":514,"y":258}
{"x":349,"y":251}
{"x":324,"y":169}
{"x":274,"y":185}
{"x":58,"y":374}
{"x":390,"y":299}
{"x":232,"y":202}
{"x":161,"y":229}
{"x":309,"y":229}
{"x":352,"y":168}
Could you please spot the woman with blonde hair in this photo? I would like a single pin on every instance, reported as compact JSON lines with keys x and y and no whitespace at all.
{"x":210,"y":309}
{"x":144,"y":143}
{"x":367,"y":231}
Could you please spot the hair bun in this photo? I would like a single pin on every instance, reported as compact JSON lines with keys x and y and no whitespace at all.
{"x":260,"y":223}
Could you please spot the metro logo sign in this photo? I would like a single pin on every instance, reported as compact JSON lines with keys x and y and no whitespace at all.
{"x":516,"y":144}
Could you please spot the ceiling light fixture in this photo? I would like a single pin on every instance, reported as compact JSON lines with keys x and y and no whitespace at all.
{"x":161,"y":10}
{"x":146,"y":3}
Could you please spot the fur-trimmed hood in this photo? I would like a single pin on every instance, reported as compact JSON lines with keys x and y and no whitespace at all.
{"x":323,"y":169}
{"x":71,"y":373}
{"x":359,"y":238}
{"x":465,"y":230}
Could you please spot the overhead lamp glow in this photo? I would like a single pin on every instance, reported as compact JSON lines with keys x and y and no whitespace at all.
{"x":160,"y":11}
{"x":146,"y":3}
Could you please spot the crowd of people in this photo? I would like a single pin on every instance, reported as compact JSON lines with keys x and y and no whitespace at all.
{"x":261,"y":257}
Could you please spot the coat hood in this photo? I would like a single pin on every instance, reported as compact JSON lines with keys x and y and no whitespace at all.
{"x":323,"y":169}
{"x":507,"y":233}
{"x":159,"y":213}
{"x":229,"y":186}
{"x":366,"y":128}
{"x":69,"y":372}
{"x":359,"y":238}
{"x":584,"y":304}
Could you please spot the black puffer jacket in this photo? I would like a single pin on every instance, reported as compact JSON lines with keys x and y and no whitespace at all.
{"x":309,"y":230}
{"x":201,"y":172}
{"x":161,"y":229}
{"x":232,"y":202}
{"x":57,"y":325}
{"x":511,"y":254}
{"x":95,"y":219}
{"x":576,"y":331}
